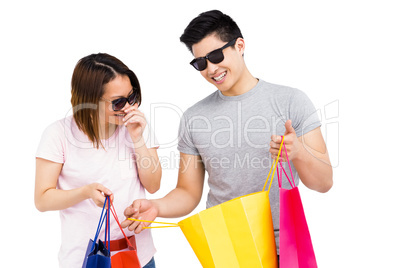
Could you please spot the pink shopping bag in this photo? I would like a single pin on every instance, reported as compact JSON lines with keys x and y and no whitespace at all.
{"x":296,"y":248}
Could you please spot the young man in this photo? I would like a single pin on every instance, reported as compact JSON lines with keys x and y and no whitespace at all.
{"x":235,"y":132}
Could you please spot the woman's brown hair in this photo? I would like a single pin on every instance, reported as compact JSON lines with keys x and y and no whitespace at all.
{"x":87,"y":86}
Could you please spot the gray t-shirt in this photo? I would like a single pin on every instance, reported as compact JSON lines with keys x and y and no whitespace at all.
{"x":232,"y":136}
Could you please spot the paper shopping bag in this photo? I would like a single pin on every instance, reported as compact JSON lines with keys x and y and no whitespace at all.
{"x":235,"y":234}
{"x":296,"y":248}
{"x":98,"y":255}
{"x":128,"y":258}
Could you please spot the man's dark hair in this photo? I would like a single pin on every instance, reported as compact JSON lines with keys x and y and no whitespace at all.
{"x":210,"y":22}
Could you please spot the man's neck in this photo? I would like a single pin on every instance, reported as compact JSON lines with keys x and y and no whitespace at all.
{"x":243,"y":85}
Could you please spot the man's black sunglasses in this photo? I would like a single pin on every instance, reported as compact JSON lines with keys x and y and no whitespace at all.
{"x":215,"y":56}
{"x":119,"y":104}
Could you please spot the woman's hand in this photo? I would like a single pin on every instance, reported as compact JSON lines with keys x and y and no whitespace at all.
{"x":97,"y":192}
{"x":135,"y":122}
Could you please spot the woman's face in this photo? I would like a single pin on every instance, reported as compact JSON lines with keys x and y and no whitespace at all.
{"x":120,"y":87}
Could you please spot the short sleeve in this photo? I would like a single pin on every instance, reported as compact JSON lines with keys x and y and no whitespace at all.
{"x":52,"y":144}
{"x":303,"y":114}
{"x":185,"y":141}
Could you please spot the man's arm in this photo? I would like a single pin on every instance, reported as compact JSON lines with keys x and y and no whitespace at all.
{"x":309,"y":156}
{"x":179,"y":202}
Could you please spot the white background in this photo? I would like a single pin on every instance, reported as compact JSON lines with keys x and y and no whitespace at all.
{"x":346,"y":55}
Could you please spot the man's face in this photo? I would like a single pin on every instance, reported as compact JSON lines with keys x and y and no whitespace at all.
{"x":227,"y":74}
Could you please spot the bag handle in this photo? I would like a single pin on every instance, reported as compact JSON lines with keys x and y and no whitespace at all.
{"x":167,"y":224}
{"x":113,"y":210}
{"x":107,"y":231}
{"x":273,"y":167}
{"x":100,"y":224}
{"x":293,"y":185}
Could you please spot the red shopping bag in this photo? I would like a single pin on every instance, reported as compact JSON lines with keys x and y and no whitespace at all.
{"x":296,"y":248}
{"x":129,"y":258}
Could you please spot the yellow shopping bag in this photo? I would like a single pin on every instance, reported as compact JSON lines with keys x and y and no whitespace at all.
{"x":235,"y":234}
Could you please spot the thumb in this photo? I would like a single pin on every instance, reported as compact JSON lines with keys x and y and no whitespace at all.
{"x":289,"y":128}
{"x":132,"y":210}
{"x":103,"y":189}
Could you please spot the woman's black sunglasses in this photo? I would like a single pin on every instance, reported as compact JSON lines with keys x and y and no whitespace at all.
{"x":119,"y":104}
{"x":215,"y":56}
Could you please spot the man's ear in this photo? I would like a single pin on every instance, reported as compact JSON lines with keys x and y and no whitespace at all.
{"x":240,"y":45}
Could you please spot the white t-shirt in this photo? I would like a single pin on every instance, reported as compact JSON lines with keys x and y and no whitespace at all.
{"x":114,"y":167}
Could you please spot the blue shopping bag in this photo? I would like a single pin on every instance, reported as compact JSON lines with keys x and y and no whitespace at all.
{"x":98,"y":254}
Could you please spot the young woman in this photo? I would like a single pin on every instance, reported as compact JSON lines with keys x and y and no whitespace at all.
{"x":104,"y":148}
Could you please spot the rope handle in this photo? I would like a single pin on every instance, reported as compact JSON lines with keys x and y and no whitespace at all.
{"x":100,"y":224}
{"x":107,"y":231}
{"x":273,"y":167}
{"x":293,"y":185}
{"x":113,"y":210}
{"x":168,"y":224}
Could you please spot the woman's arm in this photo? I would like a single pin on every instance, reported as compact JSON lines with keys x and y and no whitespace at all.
{"x":147,"y":160}
{"x":47,"y":197}
{"x":179,"y":202}
{"x":149,"y":168}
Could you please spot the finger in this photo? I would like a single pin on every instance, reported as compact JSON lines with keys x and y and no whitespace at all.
{"x":276,"y":138}
{"x":274,"y":153}
{"x":136,"y":120}
{"x":281,"y":159}
{"x":274,"y":150}
{"x":100,"y":200}
{"x":141,"y":226}
{"x":111,"y":198}
{"x":125,"y":223}
{"x":138,"y":229}
{"x":103,"y":189}
{"x":274,"y":145}
{"x":129,"y":223}
{"x":129,"y":212}
{"x":289,"y":128}
{"x":133,"y":210}
{"x":134,"y":225}
{"x":131,"y":108}
{"x":133,"y":114}
{"x":136,"y":207}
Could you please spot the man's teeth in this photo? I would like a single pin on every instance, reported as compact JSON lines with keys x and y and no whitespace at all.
{"x":219,"y":78}
{"x":120,"y":114}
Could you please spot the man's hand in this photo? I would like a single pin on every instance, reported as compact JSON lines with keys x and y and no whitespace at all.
{"x":141,"y":209}
{"x":293,"y":145}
